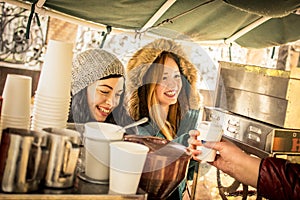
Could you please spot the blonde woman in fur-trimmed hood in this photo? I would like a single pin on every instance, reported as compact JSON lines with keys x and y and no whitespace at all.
{"x":162,"y":86}
{"x":143,"y":76}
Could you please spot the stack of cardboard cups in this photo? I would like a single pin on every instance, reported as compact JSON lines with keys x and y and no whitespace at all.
{"x":52,"y":97}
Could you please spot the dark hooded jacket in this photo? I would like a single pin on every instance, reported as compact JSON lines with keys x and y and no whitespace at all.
{"x":279,"y":179}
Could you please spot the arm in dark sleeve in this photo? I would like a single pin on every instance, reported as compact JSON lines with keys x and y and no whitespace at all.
{"x":279,"y":179}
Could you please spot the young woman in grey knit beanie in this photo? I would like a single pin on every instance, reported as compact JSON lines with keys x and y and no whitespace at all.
{"x":98,"y":84}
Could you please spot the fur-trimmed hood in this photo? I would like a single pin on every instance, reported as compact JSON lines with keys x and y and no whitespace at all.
{"x":139,"y":64}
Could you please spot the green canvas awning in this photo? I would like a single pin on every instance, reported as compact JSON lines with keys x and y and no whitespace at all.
{"x":249,"y":23}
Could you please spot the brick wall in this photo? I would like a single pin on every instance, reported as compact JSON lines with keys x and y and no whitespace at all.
{"x":61,"y":30}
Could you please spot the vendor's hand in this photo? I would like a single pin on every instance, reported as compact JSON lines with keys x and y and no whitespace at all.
{"x":228,"y":157}
{"x":228,"y":154}
{"x":235,"y":162}
{"x":193,"y":143}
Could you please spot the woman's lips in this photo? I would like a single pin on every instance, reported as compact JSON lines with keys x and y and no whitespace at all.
{"x":104,"y":111}
{"x":170,"y":94}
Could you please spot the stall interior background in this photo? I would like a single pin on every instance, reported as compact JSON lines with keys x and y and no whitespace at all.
{"x":21,"y":56}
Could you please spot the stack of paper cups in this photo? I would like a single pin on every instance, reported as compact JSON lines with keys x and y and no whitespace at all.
{"x":52,"y":97}
{"x":15,"y":110}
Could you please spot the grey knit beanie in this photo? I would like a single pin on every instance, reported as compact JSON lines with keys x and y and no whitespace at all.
{"x":92,"y":65}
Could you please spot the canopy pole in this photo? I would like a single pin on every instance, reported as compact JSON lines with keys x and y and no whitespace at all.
{"x":158,"y":14}
{"x":61,"y":16}
{"x":245,"y":30}
{"x":40,"y":3}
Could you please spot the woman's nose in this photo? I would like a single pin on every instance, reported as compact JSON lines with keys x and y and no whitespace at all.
{"x":171,"y":83}
{"x":111,"y":101}
{"x":108,"y":102}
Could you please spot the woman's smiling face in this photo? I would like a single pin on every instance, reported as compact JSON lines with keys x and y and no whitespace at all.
{"x":104,"y":96}
{"x":168,"y":88}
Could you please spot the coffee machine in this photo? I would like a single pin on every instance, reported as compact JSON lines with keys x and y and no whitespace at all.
{"x":258,"y":109}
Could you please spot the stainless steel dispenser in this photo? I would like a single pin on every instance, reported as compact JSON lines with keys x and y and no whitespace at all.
{"x":64,"y":148}
{"x":264,"y":94}
{"x":23,"y":160}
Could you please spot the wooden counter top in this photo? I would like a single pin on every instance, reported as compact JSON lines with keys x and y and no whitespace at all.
{"x":70,"y":196}
{"x":81,"y":190}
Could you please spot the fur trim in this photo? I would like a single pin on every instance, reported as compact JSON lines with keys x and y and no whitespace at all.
{"x":139,"y":64}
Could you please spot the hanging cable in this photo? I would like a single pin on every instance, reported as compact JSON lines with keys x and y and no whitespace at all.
{"x":273,"y":53}
{"x":32,"y":12}
{"x":230,"y":49}
{"x":108,"y":30}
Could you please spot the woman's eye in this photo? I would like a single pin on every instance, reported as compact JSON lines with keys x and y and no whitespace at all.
{"x":177,"y":76}
{"x":103,"y":91}
{"x":164,"y":78}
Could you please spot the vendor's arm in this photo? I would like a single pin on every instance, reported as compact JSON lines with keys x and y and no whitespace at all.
{"x":279,"y":179}
{"x":274,"y":178}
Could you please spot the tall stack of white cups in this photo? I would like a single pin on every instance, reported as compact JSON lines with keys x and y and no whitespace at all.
{"x":52,"y":97}
{"x":15,"y":111}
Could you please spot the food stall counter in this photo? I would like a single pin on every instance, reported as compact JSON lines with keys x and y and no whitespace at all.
{"x":81,"y":190}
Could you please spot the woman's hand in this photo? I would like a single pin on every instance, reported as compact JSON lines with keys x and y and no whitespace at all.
{"x":193,"y":143}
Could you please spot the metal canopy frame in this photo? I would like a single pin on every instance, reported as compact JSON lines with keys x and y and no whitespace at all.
{"x":40,"y":9}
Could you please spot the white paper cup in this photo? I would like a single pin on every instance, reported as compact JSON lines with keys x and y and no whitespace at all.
{"x":55,"y":77}
{"x":63,"y":111}
{"x":51,"y":103}
{"x":127,"y":161}
{"x":51,"y":118}
{"x":51,"y":99}
{"x":209,"y":132}
{"x":17,"y":96}
{"x":5,"y":123}
{"x":97,"y":137}
{"x":15,"y":118}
